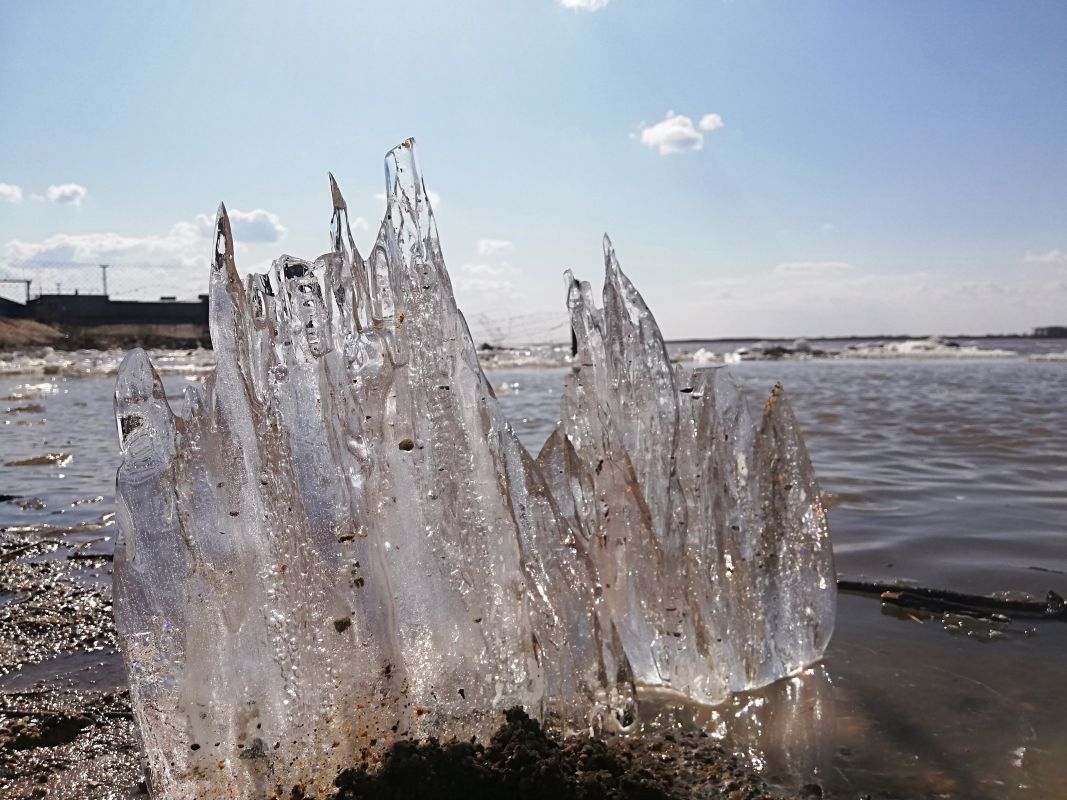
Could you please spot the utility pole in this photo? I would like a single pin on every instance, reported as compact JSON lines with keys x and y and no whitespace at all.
{"x":103,"y":271}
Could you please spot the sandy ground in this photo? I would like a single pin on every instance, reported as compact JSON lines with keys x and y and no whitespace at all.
{"x":19,"y":333}
{"x":24,"y":333}
{"x":66,"y":728}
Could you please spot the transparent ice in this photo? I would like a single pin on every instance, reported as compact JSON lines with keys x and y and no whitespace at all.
{"x":338,"y":541}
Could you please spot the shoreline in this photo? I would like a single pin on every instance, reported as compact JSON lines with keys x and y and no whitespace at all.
{"x":16,"y":334}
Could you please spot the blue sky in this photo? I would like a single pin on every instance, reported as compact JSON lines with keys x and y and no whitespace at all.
{"x":764,"y":168}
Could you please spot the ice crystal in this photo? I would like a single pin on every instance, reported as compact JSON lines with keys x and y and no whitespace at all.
{"x":338,"y":540}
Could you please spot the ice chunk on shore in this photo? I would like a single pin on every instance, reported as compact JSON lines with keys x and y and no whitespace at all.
{"x":934,"y":347}
{"x":338,"y":540}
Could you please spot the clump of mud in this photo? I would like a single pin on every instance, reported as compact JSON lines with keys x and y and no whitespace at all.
{"x":522,"y":762}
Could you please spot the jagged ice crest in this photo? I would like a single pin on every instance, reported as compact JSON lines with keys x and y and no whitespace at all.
{"x":338,"y":540}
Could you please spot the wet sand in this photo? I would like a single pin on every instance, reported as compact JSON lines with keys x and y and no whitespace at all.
{"x":66,"y":727}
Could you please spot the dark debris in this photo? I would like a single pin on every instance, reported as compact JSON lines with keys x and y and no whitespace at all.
{"x":523,"y":762}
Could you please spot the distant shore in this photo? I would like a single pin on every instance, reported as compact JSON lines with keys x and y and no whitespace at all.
{"x":881,"y":337}
{"x":17,"y":334}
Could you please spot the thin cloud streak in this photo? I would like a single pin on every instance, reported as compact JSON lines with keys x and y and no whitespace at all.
{"x":812,"y":269}
{"x":504,"y":268}
{"x":584,"y":5}
{"x":838,"y":299}
{"x":1048,"y":257}
{"x":491,"y":247}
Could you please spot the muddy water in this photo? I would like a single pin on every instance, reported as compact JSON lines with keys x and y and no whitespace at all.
{"x":951,"y":474}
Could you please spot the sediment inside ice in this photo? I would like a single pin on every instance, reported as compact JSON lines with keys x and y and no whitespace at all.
{"x":338,"y":540}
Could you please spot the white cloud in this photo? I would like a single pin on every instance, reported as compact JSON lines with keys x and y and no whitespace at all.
{"x":9,"y":193}
{"x":490,"y":247}
{"x":484,"y":286}
{"x":67,"y":193}
{"x":360,"y":224}
{"x":812,"y":269}
{"x":711,"y":122}
{"x":476,"y":291}
{"x":186,"y":243}
{"x":584,"y":5}
{"x":257,"y":226}
{"x":1048,"y":257}
{"x":142,"y":266}
{"x":673,"y":135}
{"x":677,"y":133}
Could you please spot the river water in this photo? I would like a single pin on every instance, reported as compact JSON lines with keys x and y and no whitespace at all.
{"x":950,"y":473}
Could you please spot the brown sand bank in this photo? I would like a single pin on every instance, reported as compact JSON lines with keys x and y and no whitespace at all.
{"x":20,"y":333}
{"x":25,"y":333}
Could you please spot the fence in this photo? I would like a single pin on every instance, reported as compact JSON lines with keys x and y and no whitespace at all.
{"x":513,"y":330}
{"x":22,"y":280}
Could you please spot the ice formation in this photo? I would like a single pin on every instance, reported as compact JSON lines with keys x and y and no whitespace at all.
{"x":708,"y":536}
{"x":339,"y":541}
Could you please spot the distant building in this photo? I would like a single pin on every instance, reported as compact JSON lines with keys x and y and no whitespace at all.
{"x":90,"y":310}
{"x":1051,"y":332}
{"x":9,"y":308}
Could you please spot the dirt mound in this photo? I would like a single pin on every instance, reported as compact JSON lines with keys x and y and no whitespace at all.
{"x":524,"y":763}
{"x":27,"y":333}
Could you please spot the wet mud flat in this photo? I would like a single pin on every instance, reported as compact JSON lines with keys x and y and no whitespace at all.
{"x":66,"y":727}
{"x":68,"y":745}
